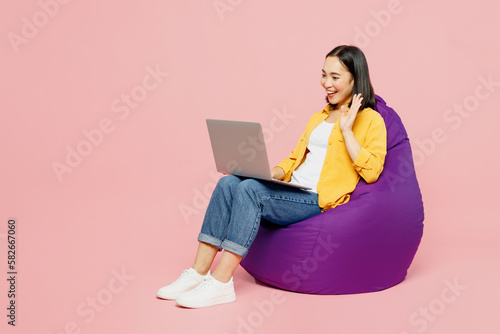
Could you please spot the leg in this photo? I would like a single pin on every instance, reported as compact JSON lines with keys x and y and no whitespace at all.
{"x":204,"y":257}
{"x":249,"y":200}
{"x":218,"y":214}
{"x":213,"y":231}
{"x":254,"y":200}
{"x":226,"y":267}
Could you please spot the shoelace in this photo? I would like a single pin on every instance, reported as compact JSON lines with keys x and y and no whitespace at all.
{"x":203,"y":285}
{"x":185,"y":275}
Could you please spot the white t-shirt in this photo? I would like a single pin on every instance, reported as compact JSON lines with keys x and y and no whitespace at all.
{"x":309,"y":172}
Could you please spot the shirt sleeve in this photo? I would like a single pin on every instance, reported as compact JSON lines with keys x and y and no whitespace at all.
{"x":370,"y":161}
{"x":287,"y":163}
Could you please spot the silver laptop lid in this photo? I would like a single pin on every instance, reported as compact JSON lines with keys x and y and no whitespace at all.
{"x":239,"y":148}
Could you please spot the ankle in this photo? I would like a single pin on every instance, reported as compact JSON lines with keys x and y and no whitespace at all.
{"x":221,"y":278}
{"x":201,"y":271}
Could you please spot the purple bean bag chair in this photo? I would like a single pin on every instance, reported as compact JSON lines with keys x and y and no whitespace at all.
{"x":364,"y":245}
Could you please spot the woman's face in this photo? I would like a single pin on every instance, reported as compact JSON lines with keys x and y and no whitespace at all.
{"x":337,"y":81}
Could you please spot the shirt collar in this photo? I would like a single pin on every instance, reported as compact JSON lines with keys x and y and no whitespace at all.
{"x":326,"y":109}
{"x":325,"y":112}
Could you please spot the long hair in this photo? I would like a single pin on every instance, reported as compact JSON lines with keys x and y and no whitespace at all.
{"x":355,"y":62}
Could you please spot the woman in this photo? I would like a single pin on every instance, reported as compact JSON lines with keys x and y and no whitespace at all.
{"x":341,"y":143}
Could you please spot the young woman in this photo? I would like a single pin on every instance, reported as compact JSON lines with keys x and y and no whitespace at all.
{"x":341,"y":143}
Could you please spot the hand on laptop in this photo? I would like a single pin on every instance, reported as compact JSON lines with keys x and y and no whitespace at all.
{"x":277,"y":173}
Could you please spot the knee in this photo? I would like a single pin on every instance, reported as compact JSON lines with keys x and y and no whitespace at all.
{"x":248,"y":186}
{"x":228,"y":182}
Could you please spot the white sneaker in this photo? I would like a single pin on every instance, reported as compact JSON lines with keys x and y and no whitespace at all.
{"x":210,"y":292}
{"x":188,"y":280}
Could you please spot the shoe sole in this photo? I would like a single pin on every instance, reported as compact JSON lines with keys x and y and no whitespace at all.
{"x":174,"y":295}
{"x":206,"y":303}
{"x":169,"y":297}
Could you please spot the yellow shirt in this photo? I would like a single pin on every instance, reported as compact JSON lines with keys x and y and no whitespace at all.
{"x":340,"y":175}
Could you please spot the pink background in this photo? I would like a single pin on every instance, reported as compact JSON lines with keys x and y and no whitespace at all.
{"x":135,"y":201}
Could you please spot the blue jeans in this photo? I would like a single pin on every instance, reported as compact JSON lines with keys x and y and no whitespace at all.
{"x":237,"y":205}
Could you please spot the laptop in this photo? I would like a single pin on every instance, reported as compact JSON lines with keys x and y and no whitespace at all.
{"x":239,"y":149}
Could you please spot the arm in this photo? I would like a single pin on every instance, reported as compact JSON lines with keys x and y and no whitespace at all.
{"x":285,"y":164}
{"x":284,"y":167}
{"x":368,"y":160}
{"x":352,"y":144}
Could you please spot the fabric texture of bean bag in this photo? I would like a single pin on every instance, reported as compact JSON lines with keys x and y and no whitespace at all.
{"x":362,"y":246}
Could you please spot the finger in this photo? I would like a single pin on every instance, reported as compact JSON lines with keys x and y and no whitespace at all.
{"x":355,"y":99}
{"x":343,"y":110}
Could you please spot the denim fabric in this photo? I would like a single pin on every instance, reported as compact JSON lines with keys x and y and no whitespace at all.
{"x":238,"y":204}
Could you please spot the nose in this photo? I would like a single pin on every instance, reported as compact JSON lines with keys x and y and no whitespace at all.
{"x":328,"y":83}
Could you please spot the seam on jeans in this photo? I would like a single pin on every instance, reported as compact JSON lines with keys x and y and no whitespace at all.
{"x":256,"y":224}
{"x":209,"y":237}
{"x":244,"y":252}
{"x":258,"y":219}
{"x":290,"y":200}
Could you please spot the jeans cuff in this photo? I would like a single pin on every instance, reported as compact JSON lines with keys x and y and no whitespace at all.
{"x":210,"y":240}
{"x":234,"y":248}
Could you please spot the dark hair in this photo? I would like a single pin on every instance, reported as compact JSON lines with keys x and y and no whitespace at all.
{"x":355,"y":62}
